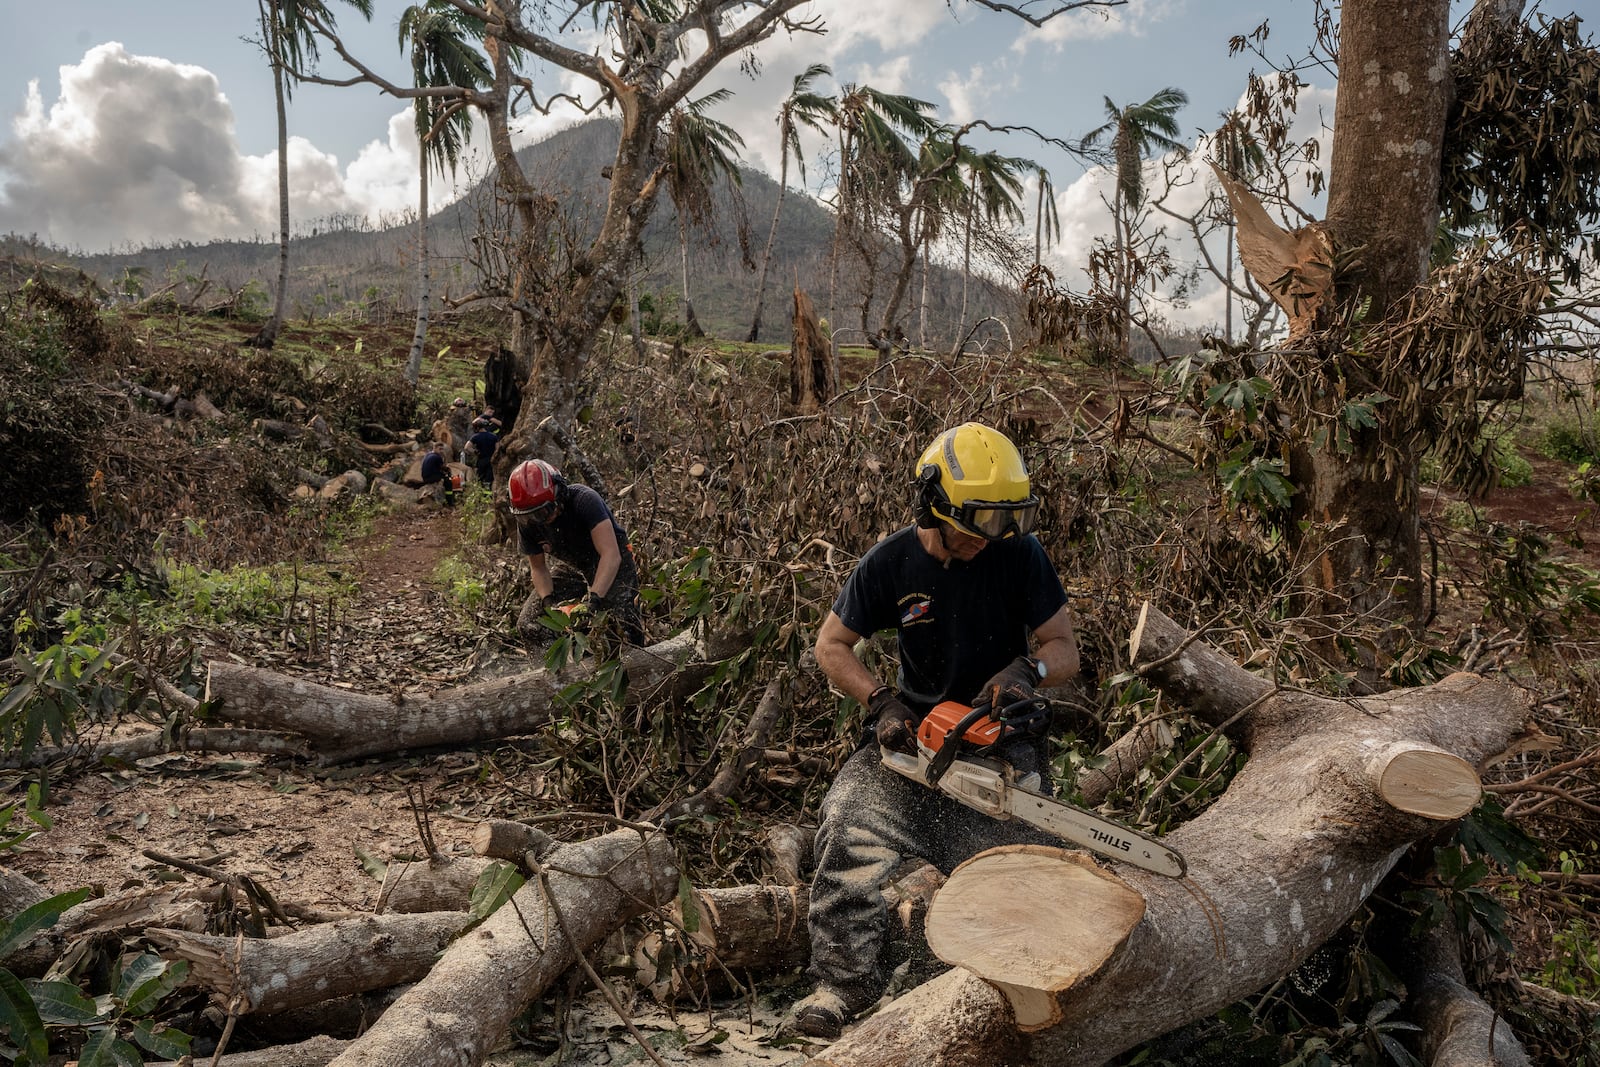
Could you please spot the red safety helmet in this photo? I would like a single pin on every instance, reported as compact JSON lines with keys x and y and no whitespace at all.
{"x":534,"y":486}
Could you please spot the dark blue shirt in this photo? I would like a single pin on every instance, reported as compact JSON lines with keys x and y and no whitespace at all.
{"x":957,"y":625}
{"x":484,"y":442}
{"x":432,"y":468}
{"x":568,"y":537}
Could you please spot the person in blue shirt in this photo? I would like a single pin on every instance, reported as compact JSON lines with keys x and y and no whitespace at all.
{"x":964,"y":588}
{"x":480,"y":449}
{"x":436,"y":476}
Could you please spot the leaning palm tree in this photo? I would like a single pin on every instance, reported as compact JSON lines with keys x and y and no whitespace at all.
{"x":438,"y":36}
{"x":1137,"y":132}
{"x":700,"y":150}
{"x":875,"y":158}
{"x":802,"y":107}
{"x":1046,"y":219}
{"x":288,"y":35}
{"x":991,"y":188}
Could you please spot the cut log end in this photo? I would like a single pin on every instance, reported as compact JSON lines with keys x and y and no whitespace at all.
{"x":1031,"y":921}
{"x":1430,"y":783}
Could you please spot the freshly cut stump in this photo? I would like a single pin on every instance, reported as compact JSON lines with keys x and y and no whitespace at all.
{"x":1031,"y":921}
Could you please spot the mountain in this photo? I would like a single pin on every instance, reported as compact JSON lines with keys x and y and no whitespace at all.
{"x":346,"y":266}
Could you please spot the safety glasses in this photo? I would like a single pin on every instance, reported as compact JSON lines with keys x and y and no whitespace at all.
{"x":997,"y":520}
{"x":542,"y":513}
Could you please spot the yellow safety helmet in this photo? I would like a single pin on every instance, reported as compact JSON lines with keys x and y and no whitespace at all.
{"x":973,"y":478}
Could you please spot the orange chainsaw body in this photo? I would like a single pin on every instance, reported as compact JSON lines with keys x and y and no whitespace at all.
{"x":946,"y":717}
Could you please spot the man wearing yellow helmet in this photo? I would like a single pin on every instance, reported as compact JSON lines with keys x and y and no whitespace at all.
{"x":963,"y":588}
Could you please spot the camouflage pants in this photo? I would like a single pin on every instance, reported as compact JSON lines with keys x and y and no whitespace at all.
{"x":872,"y":819}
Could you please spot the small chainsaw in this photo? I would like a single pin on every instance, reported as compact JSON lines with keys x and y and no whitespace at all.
{"x":992,"y":787}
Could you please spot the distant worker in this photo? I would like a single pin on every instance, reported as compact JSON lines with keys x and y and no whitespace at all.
{"x":480,"y":450}
{"x":436,"y":477}
{"x":572,"y":523}
{"x":488,"y":420}
{"x":459,"y":421}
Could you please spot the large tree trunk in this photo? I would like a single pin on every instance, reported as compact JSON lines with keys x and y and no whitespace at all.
{"x":1332,"y":795}
{"x":1360,"y":514}
{"x":342,"y":725}
{"x":462,"y":1009}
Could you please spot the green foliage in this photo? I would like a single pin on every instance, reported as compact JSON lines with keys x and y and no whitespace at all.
{"x":1574,"y":966}
{"x":109,"y":1028}
{"x":56,"y":689}
{"x":465,"y":585}
{"x":235,"y":595}
{"x":1526,"y":589}
{"x":1570,"y":440}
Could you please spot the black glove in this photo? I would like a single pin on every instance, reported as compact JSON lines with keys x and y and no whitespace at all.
{"x":1014,"y":682}
{"x":598,"y":602}
{"x":896,"y":728}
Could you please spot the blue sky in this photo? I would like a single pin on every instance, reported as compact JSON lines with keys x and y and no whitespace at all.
{"x":134,"y":122}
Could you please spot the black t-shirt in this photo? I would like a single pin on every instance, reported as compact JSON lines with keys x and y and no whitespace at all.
{"x":432,"y":468}
{"x":957,"y":625}
{"x":568,"y":538}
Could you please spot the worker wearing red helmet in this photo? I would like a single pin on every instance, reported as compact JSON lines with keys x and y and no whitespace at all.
{"x":573,"y":524}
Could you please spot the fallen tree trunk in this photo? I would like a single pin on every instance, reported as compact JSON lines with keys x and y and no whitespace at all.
{"x":439,"y":883}
{"x":1458,"y":1028}
{"x":462,"y":1008}
{"x":318,"y":963}
{"x":1332,"y":794}
{"x":342,"y":725}
{"x":313,"y":1052}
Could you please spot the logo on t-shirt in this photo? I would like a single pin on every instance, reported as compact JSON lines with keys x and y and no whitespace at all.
{"x":917,"y":611}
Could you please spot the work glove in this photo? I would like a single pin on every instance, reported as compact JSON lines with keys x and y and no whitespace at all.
{"x":1013,"y":682}
{"x":528,"y":618}
{"x":896,"y":728}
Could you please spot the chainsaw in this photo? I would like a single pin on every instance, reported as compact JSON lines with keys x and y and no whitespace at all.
{"x":992,"y":787}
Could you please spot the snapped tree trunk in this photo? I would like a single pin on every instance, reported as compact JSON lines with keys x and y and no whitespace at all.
{"x":1332,"y":794}
{"x":810,"y":357}
{"x":419,"y":335}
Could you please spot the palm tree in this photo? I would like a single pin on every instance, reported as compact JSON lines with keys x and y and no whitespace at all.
{"x":1046,"y":220}
{"x":802,"y":107}
{"x":437,"y":35}
{"x":700,"y":150}
{"x":1137,"y":132}
{"x":1240,"y":155}
{"x":992,"y":185}
{"x":874,"y":159}
{"x":287,"y":32}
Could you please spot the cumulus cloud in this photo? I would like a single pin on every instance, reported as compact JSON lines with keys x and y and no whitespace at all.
{"x":1091,"y":24}
{"x":140,"y":150}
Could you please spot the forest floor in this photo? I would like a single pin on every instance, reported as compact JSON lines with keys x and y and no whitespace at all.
{"x":321,"y":837}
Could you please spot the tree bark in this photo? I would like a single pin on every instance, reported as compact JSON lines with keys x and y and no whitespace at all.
{"x":1458,"y":1028}
{"x":343,"y":725}
{"x":439,"y":883}
{"x":456,"y":1014}
{"x":120,"y":914}
{"x":313,"y":1052}
{"x":314,"y":964}
{"x":1327,"y":802}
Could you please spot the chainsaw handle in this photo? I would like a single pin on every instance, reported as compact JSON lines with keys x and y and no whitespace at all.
{"x":947,"y":748}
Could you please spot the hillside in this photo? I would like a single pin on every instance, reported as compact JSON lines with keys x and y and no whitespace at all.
{"x":342,"y":266}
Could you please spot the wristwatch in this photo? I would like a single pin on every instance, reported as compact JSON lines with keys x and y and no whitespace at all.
{"x":1038,"y":667}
